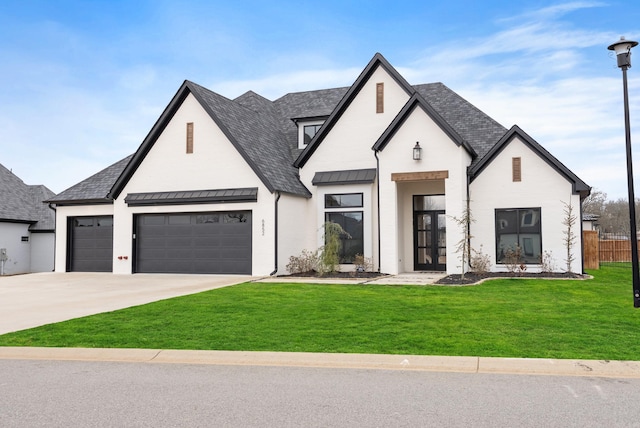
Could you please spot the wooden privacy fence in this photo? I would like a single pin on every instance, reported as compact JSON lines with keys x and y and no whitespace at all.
{"x":617,"y":249}
{"x":592,"y":249}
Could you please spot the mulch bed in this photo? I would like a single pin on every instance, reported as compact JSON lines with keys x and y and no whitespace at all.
{"x":335,"y":275}
{"x":473,"y":278}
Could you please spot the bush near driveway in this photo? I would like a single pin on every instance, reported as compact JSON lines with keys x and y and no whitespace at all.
{"x":586,"y":319}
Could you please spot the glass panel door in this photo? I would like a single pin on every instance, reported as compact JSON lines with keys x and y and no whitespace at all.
{"x":430,"y":243}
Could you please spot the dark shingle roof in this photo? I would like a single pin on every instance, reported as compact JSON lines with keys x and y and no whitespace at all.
{"x":95,"y":188}
{"x":474,"y":126}
{"x":24,"y":203}
{"x":265,"y":134}
{"x":258,"y":137}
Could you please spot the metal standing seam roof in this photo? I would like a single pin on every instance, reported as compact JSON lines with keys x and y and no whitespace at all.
{"x":353,"y":176}
{"x":249,"y":194}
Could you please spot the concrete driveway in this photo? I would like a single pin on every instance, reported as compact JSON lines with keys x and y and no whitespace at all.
{"x":36,"y":299}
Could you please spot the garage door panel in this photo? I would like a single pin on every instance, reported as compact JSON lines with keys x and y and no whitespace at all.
{"x":194,"y":243}
{"x":90,"y":244}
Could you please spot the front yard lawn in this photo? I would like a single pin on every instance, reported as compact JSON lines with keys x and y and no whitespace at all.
{"x":535,"y":318}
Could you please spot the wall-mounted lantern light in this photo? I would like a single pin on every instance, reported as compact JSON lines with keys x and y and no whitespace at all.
{"x":417,"y":151}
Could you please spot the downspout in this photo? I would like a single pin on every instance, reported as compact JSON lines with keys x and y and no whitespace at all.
{"x":375,"y":153}
{"x":582,"y":237}
{"x":275,"y":238}
{"x":55,"y":235}
{"x":468,"y":237}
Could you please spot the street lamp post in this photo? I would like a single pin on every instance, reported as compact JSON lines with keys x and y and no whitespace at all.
{"x":622,"y":49}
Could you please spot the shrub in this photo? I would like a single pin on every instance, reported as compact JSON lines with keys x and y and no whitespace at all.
{"x":362,"y":263}
{"x":480,"y":261}
{"x":307,"y":261}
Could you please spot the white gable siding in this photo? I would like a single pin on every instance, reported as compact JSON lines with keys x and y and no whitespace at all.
{"x":439,"y":153}
{"x":541,"y":186}
{"x":348,"y":145}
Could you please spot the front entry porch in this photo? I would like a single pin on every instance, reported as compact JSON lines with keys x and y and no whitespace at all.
{"x":422,"y":229}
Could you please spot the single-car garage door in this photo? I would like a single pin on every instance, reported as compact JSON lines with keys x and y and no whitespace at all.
{"x":90,"y":244}
{"x":210,"y":243}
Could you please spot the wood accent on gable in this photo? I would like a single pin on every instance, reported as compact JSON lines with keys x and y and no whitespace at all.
{"x":379,"y":97}
{"x":419,"y":176}
{"x":190,"y":137}
{"x":516,"y":169}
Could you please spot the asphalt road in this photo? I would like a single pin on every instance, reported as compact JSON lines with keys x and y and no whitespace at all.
{"x":107,"y":394}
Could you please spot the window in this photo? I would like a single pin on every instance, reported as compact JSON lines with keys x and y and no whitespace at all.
{"x":339,"y":210}
{"x":349,"y":200}
{"x":518,"y":230}
{"x":190,"y":137}
{"x":379,"y":97}
{"x":309,"y":132}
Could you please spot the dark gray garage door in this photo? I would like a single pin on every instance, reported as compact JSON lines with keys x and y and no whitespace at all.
{"x":90,"y":244}
{"x":193,"y":243}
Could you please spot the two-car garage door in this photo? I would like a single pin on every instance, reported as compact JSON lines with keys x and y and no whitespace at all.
{"x":203,"y":243}
{"x":206,"y":243}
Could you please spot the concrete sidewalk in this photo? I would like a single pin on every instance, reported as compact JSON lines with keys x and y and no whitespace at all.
{"x":486,"y":365}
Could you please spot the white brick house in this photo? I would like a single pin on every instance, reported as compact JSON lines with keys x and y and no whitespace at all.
{"x":239,"y":186}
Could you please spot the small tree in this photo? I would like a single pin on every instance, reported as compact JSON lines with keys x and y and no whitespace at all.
{"x":330,"y":257}
{"x":463,"y":246}
{"x":569,"y":239}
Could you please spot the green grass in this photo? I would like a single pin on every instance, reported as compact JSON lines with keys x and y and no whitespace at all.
{"x":592,"y":319}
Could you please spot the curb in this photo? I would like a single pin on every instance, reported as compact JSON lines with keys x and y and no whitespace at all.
{"x":476,"y":365}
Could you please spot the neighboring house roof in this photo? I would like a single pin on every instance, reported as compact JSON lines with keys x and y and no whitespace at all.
{"x":24,"y":203}
{"x":579,"y":186}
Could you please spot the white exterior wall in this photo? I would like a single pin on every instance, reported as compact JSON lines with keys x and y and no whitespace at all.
{"x":439,"y":153}
{"x":62,"y":214}
{"x":214,"y":164}
{"x":42,"y":250}
{"x":296,"y":229}
{"x":541,"y":186}
{"x":18,"y":252}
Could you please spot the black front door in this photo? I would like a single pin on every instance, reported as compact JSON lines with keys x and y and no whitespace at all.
{"x":429,"y":240}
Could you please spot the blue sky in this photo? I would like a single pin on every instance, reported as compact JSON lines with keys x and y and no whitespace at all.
{"x":84,"y":81}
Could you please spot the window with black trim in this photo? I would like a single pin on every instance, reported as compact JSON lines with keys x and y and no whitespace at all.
{"x":340,"y":209}
{"x":310,"y":131}
{"x":345,"y":200}
{"x":518,"y":236}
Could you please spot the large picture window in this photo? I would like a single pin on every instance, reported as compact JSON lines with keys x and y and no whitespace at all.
{"x":518,"y":230}
{"x":337,"y":211}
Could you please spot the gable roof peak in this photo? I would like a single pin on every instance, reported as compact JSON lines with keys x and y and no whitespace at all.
{"x":377,"y":61}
